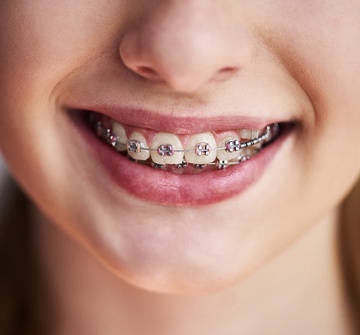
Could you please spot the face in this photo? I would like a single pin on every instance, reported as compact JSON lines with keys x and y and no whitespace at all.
{"x":187,"y":75}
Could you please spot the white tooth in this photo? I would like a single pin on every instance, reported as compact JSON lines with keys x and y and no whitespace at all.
{"x":143,"y":155}
{"x":245,"y":134}
{"x":254,"y":134}
{"x":250,"y":151}
{"x":170,"y":142}
{"x":119,"y":131}
{"x":202,"y":148}
{"x":258,"y":146}
{"x":222,"y":154}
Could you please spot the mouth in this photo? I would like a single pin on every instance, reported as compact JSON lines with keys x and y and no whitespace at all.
{"x":183,"y":169}
{"x":183,"y":154}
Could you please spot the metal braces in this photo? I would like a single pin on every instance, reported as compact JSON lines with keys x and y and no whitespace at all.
{"x":201,"y":149}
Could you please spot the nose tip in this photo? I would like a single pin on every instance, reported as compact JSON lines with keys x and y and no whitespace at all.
{"x":185,"y":51}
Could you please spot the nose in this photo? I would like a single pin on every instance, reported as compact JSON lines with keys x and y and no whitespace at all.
{"x":186,"y":44}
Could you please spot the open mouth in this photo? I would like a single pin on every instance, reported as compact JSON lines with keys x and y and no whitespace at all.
{"x":183,"y":154}
{"x":182,"y":168}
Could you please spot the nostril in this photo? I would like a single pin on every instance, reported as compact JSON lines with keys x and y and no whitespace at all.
{"x":225,"y":73}
{"x":228,"y":70}
{"x":146,"y":71}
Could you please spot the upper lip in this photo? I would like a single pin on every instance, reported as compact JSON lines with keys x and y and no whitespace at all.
{"x":171,"y":122}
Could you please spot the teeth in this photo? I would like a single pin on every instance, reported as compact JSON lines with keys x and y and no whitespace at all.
{"x":250,"y":151}
{"x":201,"y":150}
{"x":254,"y":134}
{"x":249,"y":134}
{"x":205,"y":149}
{"x":166,"y":146}
{"x":119,"y":131}
{"x":134,"y":145}
{"x":224,"y":155}
{"x":245,"y":134}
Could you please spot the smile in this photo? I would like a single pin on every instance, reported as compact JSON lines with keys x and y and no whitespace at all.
{"x":164,"y":160}
{"x":183,"y":154}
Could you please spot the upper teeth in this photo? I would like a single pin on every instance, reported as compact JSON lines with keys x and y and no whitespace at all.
{"x":168,"y":149}
{"x":119,"y":131}
{"x":136,"y":146}
{"x":198,"y":149}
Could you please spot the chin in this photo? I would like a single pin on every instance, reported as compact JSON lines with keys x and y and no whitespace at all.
{"x":183,"y":259}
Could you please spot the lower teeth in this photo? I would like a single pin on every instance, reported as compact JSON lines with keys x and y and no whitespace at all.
{"x":248,"y":150}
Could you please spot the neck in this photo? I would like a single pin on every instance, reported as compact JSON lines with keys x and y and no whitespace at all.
{"x":298,"y":292}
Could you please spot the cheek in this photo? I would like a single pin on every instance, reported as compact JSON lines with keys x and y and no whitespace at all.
{"x":41,"y":42}
{"x":325,"y":57}
{"x":325,"y":62}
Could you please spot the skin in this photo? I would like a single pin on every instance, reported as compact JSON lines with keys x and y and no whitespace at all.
{"x":289,"y":60}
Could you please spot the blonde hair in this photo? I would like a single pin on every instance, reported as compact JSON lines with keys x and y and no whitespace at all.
{"x":349,"y":243}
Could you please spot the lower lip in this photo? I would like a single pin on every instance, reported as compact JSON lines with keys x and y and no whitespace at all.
{"x":168,"y":188}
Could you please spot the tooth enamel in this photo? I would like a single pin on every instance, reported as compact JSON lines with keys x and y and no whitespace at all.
{"x":200,"y":149}
{"x":250,"y":151}
{"x":167,"y":152}
{"x":119,"y":131}
{"x":254,"y":134}
{"x":165,"y":146}
{"x":223,"y":155}
{"x":249,"y":134}
{"x":137,"y":140}
{"x":245,"y":134}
